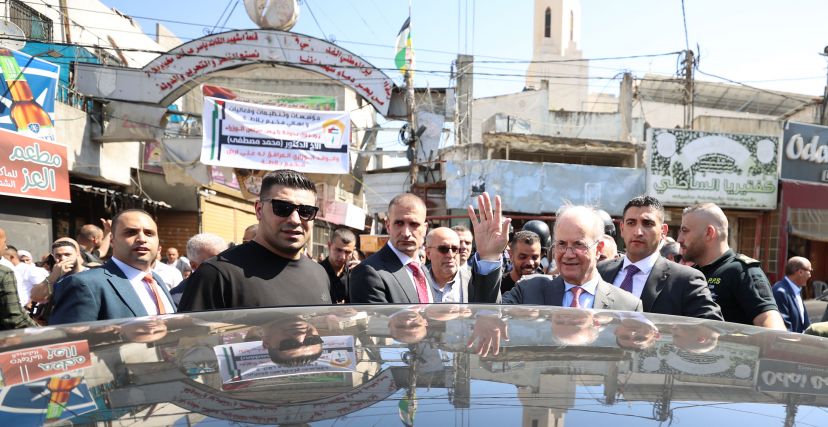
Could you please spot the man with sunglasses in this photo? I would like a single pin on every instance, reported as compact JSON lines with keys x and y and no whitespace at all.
{"x":270,"y":269}
{"x":394,"y":275}
{"x":292,"y":341}
{"x":447,"y":281}
{"x":577,"y":241}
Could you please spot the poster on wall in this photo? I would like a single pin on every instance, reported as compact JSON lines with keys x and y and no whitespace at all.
{"x":262,"y":137}
{"x":29,"y":89}
{"x":33,"y":168}
{"x":731,"y":170}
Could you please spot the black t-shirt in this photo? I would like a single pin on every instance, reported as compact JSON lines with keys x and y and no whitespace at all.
{"x":739,"y":287}
{"x":506,"y":283}
{"x":339,"y":284}
{"x":249,"y":275}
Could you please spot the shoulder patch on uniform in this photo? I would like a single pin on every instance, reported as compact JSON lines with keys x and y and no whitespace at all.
{"x":744,"y":259}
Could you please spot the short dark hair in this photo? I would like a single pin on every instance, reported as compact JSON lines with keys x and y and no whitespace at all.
{"x":344,"y":234}
{"x":11,"y":248}
{"x":278,"y":358}
{"x":670,"y":248}
{"x":460,"y":228}
{"x":400,"y":198}
{"x":62,"y":243}
{"x":525,"y":236}
{"x":286,"y":178}
{"x":644,"y":201}
{"x":118,"y":216}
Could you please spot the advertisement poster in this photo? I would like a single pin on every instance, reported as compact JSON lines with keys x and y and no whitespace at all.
{"x":250,"y":360}
{"x":733,"y":171}
{"x":29,"y":90}
{"x":33,"y":168}
{"x":253,"y":136}
{"x":47,"y":401}
{"x":31,"y":364}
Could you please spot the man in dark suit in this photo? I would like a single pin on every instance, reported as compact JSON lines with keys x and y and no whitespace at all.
{"x":125,"y":286}
{"x":664,"y":286}
{"x":578,"y":231}
{"x":394,"y":275}
{"x":447,"y":281}
{"x":787,"y":293}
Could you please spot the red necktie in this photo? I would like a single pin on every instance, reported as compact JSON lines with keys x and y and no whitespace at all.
{"x":152,"y":288}
{"x":576,"y":294}
{"x":419,"y":281}
{"x":627,"y":283}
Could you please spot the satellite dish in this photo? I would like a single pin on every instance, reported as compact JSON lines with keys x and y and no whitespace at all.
{"x":11,"y":36}
{"x":273,"y":14}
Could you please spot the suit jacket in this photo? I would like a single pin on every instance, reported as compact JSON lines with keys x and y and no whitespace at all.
{"x":671,"y":288}
{"x":475,"y":287}
{"x":98,"y":294}
{"x":786,"y":301}
{"x":540,"y":289}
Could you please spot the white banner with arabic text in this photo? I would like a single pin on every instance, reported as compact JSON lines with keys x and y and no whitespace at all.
{"x":252,"y":136}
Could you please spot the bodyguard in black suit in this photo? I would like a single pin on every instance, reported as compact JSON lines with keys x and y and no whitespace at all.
{"x":664,"y":286}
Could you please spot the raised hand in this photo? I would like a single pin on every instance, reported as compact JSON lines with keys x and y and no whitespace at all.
{"x":491,"y":229}
{"x":488,"y":331}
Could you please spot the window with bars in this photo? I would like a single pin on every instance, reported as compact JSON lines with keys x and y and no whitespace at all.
{"x":34,"y":24}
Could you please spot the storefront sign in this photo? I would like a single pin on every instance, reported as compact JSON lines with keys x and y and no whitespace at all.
{"x":33,"y":168}
{"x":32,"y":364}
{"x":253,"y":136}
{"x":805,"y":153}
{"x":733,"y":171}
{"x":518,"y":183}
{"x":791,"y":377}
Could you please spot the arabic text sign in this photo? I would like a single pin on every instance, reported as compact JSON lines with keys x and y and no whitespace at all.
{"x":251,"y":136}
{"x":734,"y":171}
{"x":31,"y":364}
{"x":805,"y":152}
{"x":791,"y":377}
{"x":33,"y":168}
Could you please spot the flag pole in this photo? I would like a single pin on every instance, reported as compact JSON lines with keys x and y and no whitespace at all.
{"x":413,"y":171}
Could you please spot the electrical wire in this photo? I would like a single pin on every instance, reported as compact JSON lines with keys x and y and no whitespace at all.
{"x":684,"y":18}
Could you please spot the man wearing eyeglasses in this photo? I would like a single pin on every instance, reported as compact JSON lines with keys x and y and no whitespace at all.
{"x":578,"y":231}
{"x":270,"y":269}
{"x":447,"y":281}
{"x":394,"y":274}
{"x":664,"y":286}
{"x":788,"y":294}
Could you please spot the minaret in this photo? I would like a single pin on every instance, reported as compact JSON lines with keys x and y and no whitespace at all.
{"x":556,"y":36}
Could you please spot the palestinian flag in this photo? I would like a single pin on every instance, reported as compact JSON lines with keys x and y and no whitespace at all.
{"x":404,"y":58}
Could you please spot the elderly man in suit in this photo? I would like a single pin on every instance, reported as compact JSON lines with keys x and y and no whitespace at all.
{"x":125,"y":285}
{"x":447,"y":281}
{"x":577,"y":242}
{"x":787,"y":293}
{"x":394,"y":274}
{"x":664,"y":286}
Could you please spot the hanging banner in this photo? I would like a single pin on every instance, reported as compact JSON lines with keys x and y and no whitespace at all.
{"x":33,"y":168}
{"x":251,"y":136}
{"x":28,"y":100}
{"x":733,"y":171}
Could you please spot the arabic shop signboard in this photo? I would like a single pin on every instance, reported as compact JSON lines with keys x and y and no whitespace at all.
{"x":253,"y":136}
{"x":733,"y":171}
{"x":33,"y":168}
{"x":805,"y":152}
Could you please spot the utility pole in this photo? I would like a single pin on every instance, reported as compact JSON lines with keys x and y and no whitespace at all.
{"x":689,"y":63}
{"x":413,"y":171}
{"x":464,"y":90}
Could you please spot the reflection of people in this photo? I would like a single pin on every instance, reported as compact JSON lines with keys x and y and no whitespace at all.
{"x":292,"y":341}
{"x":144,"y":330}
{"x":635,"y":332}
{"x":444,"y":312}
{"x":577,"y":327}
{"x":577,"y":233}
{"x":407,"y":326}
{"x":695,"y":338}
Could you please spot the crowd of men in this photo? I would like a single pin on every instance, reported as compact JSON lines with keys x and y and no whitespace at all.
{"x":576,"y":264}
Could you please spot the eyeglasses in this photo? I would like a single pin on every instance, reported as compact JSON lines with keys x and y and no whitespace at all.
{"x":285,"y":209}
{"x":293,"y":344}
{"x":578,"y":248}
{"x":444,"y":249}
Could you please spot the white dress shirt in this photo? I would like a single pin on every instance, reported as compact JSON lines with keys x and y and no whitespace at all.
{"x":405,"y":259}
{"x":136,"y":279}
{"x":645,"y":266}
{"x":587,"y":297}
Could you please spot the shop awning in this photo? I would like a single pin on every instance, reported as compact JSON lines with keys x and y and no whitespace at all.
{"x":117,"y":194}
{"x":810,"y":224}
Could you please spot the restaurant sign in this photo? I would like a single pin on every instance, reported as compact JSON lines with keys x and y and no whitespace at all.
{"x":731,"y":170}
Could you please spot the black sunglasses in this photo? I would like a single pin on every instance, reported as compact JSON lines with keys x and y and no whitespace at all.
{"x":444,"y":249}
{"x":285,"y":209}
{"x":293,"y":344}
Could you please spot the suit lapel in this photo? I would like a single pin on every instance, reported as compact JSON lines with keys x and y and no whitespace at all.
{"x":119,"y":283}
{"x":603,"y":298}
{"x":554,"y":293}
{"x":612,"y":269}
{"x":403,"y":280}
{"x":658,"y":277}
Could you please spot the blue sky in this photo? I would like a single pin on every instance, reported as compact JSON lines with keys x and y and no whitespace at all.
{"x":765,"y":43}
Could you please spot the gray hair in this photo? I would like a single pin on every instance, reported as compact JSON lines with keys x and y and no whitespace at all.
{"x":595,"y":225}
{"x":200,"y":243}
